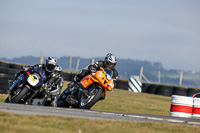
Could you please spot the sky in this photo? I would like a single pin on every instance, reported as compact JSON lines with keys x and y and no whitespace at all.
{"x":165,"y":31}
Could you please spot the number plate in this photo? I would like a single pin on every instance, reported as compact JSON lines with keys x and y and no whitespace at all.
{"x":33,"y":80}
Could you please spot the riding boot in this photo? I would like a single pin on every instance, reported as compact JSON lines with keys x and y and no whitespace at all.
{"x":72,"y":99}
{"x":54,"y":99}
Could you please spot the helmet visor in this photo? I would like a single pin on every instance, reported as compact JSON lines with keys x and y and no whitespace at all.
{"x":50,"y":67}
{"x":110,"y":65}
{"x":58,"y":72}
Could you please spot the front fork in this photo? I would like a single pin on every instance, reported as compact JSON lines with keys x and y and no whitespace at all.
{"x":16,"y":82}
{"x":13,"y":87}
{"x":82,"y":93}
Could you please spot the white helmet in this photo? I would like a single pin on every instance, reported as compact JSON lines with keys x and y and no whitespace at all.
{"x":110,"y":61}
{"x":51,"y":63}
{"x":58,"y":70}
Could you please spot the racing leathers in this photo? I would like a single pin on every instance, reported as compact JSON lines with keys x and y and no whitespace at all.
{"x":91,"y":69}
{"x":55,"y":84}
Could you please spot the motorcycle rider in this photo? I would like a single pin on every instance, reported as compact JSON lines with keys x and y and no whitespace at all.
{"x":55,"y":84}
{"x":109,"y":62}
{"x":51,"y":63}
{"x":48,"y":67}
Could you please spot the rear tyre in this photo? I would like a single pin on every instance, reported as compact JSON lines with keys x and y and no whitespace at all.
{"x":88,"y":102}
{"x":17,"y":98}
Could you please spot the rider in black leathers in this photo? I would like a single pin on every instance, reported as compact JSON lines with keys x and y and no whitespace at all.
{"x":109,"y":62}
{"x":51,"y":63}
{"x":51,"y":74}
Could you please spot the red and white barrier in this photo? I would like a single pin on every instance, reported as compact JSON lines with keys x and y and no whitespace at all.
{"x":196,"y":107}
{"x":181,"y":106}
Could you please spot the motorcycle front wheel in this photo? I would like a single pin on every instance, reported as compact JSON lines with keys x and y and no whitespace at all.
{"x":61,"y":102}
{"x":87,"y":102}
{"x":7,"y":100}
{"x":17,"y":98}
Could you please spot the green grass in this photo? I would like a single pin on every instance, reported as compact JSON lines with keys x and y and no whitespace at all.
{"x":14,"y":123}
{"x":125,"y":101}
{"x":116,"y":101}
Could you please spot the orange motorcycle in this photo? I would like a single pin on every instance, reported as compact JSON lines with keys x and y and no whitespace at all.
{"x":90,"y":89}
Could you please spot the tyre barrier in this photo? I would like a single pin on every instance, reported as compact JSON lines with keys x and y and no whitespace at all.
{"x":168,"y":90}
{"x":164,"y":90}
{"x":145,"y":86}
{"x":134,"y":84}
{"x":181,"y":106}
{"x":8,"y":70}
{"x":152,"y":88}
{"x":66,"y":76}
{"x":4,"y":87}
{"x":4,"y":82}
{"x":122,"y":84}
{"x":7,"y":74}
{"x":4,"y":64}
{"x":2,"y":91}
{"x":196,"y":108}
{"x":181,"y":91}
{"x":16,"y":66}
{"x":192,"y":91}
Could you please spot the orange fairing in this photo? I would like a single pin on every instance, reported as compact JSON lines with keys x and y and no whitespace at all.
{"x":100,"y":78}
{"x":87,"y":81}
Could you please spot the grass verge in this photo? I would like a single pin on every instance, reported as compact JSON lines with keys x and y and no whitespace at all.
{"x":116,"y":101}
{"x":14,"y":123}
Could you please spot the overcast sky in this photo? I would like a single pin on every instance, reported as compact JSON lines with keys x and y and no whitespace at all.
{"x":165,"y":31}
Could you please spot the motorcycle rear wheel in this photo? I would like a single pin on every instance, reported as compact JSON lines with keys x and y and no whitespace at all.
{"x":87,"y":103}
{"x":17,"y":98}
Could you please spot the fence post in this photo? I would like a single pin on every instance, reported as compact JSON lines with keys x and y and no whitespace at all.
{"x":70,"y":63}
{"x":146,"y":79}
{"x":92,"y":61}
{"x":77,"y":64}
{"x":41,"y":58}
{"x":159,"y":77}
{"x":181,"y":78}
{"x":142,"y":76}
{"x":141,"y":73}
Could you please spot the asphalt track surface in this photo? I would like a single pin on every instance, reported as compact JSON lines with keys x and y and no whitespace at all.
{"x":93,"y":114}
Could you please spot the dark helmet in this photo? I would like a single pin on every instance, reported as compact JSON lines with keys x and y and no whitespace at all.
{"x":58,"y":70}
{"x":110,"y":61}
{"x":51,"y":63}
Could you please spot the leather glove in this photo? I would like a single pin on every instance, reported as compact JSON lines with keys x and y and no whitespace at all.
{"x":93,"y":70}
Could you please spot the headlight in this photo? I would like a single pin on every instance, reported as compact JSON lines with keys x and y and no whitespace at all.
{"x":108,"y":77}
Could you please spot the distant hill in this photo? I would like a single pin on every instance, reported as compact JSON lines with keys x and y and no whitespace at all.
{"x":125,"y":67}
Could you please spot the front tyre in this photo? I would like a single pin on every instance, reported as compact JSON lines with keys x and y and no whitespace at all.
{"x":88,"y":101}
{"x":17,"y":98}
{"x":61,"y":102}
{"x":7,"y":100}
